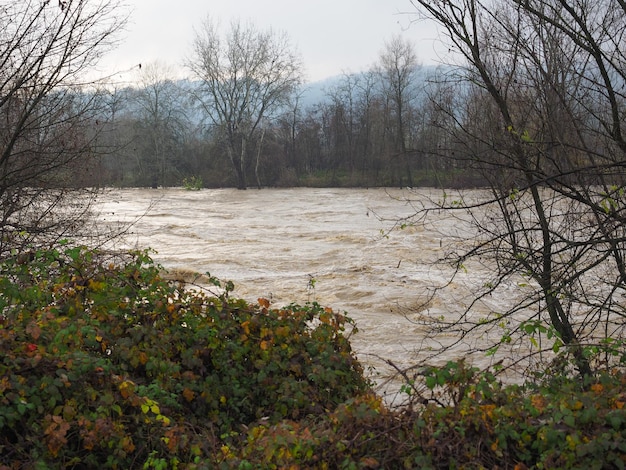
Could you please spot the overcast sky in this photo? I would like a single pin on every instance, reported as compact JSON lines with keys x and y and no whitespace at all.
{"x":332,"y":36}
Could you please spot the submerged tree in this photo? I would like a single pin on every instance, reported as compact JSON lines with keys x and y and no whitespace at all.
{"x":246,"y":76}
{"x":48,"y":126}
{"x":539,"y":115}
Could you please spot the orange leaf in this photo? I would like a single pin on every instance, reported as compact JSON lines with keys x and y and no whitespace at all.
{"x":127,"y":444}
{"x":494,"y":445}
{"x":264,"y":302}
{"x":126,"y":388}
{"x":369,"y":462}
{"x":33,"y":330}
{"x":5,"y":384}
{"x":143,"y":358}
{"x":55,"y":431}
{"x":189,"y":394}
{"x":539,"y":402}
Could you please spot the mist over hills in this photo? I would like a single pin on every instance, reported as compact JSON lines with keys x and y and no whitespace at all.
{"x":317,"y":92}
{"x":310,"y":94}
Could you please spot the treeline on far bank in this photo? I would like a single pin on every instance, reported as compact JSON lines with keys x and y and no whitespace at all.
{"x":345,"y":131}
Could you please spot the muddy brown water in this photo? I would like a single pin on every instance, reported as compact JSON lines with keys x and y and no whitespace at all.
{"x":339,"y":247}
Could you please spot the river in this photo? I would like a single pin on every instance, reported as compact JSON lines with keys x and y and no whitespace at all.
{"x":339,"y":247}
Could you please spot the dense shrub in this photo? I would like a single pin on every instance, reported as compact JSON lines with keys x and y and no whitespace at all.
{"x":485,"y":425}
{"x":104,"y":363}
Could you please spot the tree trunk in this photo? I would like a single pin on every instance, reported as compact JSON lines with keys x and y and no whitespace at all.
{"x":238,"y":166}
{"x":258,"y":157}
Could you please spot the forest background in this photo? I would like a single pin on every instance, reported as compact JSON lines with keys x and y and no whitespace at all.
{"x":357,"y":129}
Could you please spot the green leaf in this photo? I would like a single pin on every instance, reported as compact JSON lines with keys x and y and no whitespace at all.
{"x":431,"y":382}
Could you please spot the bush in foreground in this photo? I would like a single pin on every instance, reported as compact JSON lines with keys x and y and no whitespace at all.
{"x":104,"y":363}
{"x":484,"y":426}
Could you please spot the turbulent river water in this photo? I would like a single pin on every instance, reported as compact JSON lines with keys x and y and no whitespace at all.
{"x":338,"y":247}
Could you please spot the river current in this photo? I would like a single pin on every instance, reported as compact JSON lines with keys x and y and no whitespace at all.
{"x":343,"y":248}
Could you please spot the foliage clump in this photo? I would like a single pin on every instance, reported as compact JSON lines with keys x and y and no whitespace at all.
{"x":193,"y":183}
{"x":469,"y":421}
{"x":104,"y":363}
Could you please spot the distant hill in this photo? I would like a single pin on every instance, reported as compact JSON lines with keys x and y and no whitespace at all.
{"x":313,"y":93}
{"x":316,"y":92}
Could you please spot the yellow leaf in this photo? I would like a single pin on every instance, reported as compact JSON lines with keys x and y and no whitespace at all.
{"x":487,"y":410}
{"x":282,"y":331}
{"x":164,"y":419}
{"x":95,"y":285}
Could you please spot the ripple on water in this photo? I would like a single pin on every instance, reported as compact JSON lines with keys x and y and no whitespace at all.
{"x":271,"y":243}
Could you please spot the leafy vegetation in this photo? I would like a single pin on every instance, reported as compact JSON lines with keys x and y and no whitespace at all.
{"x":104,"y":363}
{"x":483,"y":425}
{"x":107,"y":364}
{"x":193,"y":183}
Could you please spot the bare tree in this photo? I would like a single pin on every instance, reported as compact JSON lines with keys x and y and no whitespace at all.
{"x":163,"y":121}
{"x":247,"y":75}
{"x":398,"y":68}
{"x":539,"y":114}
{"x":48,"y":124}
